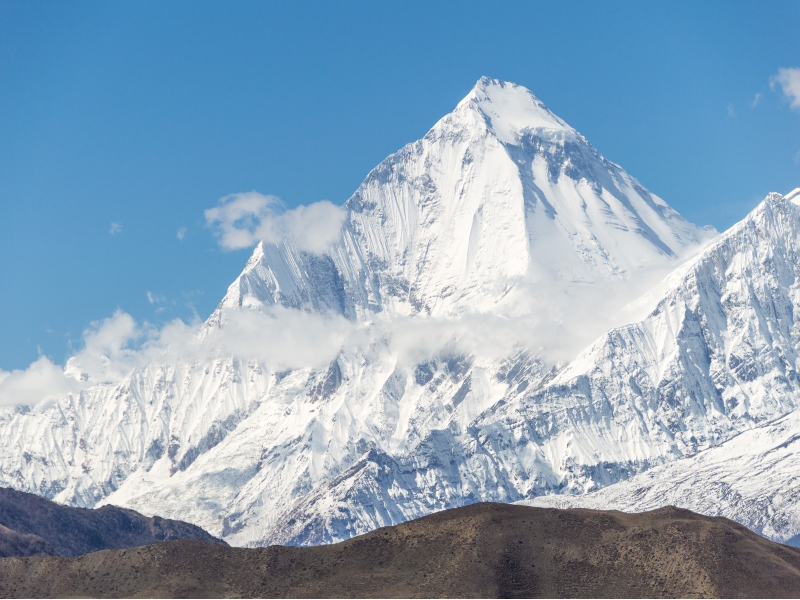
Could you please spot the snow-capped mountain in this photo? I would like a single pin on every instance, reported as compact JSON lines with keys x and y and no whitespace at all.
{"x":717,"y":356}
{"x":502,"y":218}
{"x":752,"y":477}
{"x":499,"y":192}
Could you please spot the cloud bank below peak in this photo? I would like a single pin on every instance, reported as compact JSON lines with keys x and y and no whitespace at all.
{"x":243,"y":220}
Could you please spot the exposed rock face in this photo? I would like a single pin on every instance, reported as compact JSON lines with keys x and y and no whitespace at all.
{"x":479,"y":551}
{"x":34,"y":526}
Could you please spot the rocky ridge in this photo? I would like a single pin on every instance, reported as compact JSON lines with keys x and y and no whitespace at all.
{"x":34,"y":526}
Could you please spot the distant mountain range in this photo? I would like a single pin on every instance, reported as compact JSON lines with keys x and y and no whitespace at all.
{"x":523,"y":320}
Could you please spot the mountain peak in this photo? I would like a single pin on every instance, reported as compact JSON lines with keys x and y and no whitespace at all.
{"x":510,"y":109}
{"x":499,"y":191}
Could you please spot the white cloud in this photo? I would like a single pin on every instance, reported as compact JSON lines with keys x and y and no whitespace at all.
{"x":115,"y":228}
{"x":108,"y":353}
{"x":113,"y":347}
{"x":279,"y":337}
{"x":797,"y":158}
{"x":789,"y":80}
{"x":242,"y":220}
{"x":181,"y":233}
{"x":755,"y":101}
{"x":41,"y":381}
{"x":731,"y":111}
{"x":285,"y":338}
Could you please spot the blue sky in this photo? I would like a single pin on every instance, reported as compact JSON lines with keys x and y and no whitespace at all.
{"x":120,"y":123}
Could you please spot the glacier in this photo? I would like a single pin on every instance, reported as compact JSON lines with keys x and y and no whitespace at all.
{"x":523,"y":320}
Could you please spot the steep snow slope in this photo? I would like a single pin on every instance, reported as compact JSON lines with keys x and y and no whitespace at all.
{"x":752,"y":479}
{"x":499,"y":208}
{"x":499,"y":192}
{"x":85,"y":446}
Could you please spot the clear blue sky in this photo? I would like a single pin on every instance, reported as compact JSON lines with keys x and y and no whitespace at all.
{"x":146,"y":113}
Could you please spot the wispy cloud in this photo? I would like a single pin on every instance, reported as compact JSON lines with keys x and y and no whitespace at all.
{"x":755,"y":101}
{"x":115,"y":228}
{"x":797,"y":158}
{"x":181,"y":233}
{"x":731,"y":111}
{"x":159,"y":301}
{"x":242,"y":220}
{"x":113,"y":347}
{"x":154,"y":298}
{"x":789,"y":81}
{"x":107,"y":356}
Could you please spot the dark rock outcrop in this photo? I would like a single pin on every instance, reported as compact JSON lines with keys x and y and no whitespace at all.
{"x":34,"y":526}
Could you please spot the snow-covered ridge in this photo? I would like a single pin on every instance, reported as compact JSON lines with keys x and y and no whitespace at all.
{"x":753,"y":365}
